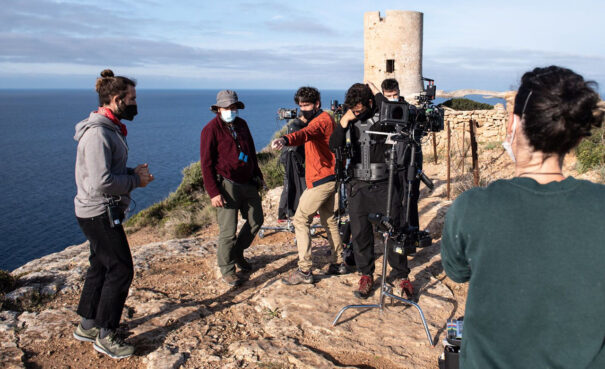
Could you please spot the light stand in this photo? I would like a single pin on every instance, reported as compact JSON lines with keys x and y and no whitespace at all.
{"x":385,"y":290}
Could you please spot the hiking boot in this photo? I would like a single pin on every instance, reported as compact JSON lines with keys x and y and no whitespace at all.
{"x":243,"y":264}
{"x":365,"y":287}
{"x":337,"y":269}
{"x":232,"y":279}
{"x":297,"y":277}
{"x":86,"y":335}
{"x":407,"y":288}
{"x":113,"y":346}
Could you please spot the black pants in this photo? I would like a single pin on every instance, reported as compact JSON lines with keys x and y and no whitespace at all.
{"x":109,"y":275}
{"x":366,"y":198}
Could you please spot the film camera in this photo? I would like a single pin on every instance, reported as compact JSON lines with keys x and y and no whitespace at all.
{"x":426,"y":117}
{"x":284,"y":113}
{"x":337,"y":108}
{"x":411,"y":123}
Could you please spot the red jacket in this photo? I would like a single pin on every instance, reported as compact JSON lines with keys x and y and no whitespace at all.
{"x":219,"y":154}
{"x":319,"y":160}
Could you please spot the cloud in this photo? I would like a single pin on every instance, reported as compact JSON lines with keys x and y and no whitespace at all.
{"x":299,"y":25}
{"x":286,"y":65}
{"x":281,"y":7}
{"x":140,"y":52}
{"x":490,"y":59}
{"x":41,"y":17}
{"x":501,"y":69}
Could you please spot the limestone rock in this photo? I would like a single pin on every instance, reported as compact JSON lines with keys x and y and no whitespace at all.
{"x":46,"y":325}
{"x":165,"y":358}
{"x":11,"y":355}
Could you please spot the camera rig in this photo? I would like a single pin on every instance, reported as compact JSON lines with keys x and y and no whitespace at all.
{"x":416,"y":120}
{"x":389,"y":232}
{"x":284,"y":113}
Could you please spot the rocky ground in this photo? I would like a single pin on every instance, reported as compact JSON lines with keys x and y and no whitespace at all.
{"x":180,"y":314}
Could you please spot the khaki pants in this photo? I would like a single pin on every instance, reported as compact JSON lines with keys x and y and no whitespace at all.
{"x":245,"y":200}
{"x":317,"y":199}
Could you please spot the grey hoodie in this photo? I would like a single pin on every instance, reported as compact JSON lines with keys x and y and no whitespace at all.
{"x":101,"y":166}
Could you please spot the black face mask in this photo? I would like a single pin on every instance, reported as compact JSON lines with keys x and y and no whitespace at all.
{"x":367,"y":114}
{"x":308,"y":114}
{"x":127,"y":112}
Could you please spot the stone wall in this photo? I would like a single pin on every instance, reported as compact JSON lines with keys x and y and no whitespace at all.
{"x":491,"y":130}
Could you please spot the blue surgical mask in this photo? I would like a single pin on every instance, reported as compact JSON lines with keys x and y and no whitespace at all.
{"x":228,"y":115}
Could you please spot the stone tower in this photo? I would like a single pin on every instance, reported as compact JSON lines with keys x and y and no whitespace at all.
{"x":393,"y":49}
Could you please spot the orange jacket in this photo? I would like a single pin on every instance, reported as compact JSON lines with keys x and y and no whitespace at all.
{"x":319,"y":160}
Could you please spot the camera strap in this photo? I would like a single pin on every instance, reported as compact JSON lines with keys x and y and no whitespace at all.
{"x":112,"y":200}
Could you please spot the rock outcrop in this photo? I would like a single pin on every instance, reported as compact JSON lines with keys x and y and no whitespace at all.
{"x":179,"y":313}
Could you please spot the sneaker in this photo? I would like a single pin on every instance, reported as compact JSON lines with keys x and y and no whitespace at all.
{"x":337,"y":269}
{"x":407,"y":288}
{"x":297,"y":277}
{"x":232,"y":279}
{"x":243,"y":264}
{"x":113,"y":346}
{"x":365,"y":287}
{"x":86,"y":335}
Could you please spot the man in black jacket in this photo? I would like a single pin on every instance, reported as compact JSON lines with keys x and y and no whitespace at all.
{"x":390,"y":92}
{"x":368,"y":189}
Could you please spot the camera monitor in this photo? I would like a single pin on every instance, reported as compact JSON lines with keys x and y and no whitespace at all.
{"x":394,"y":113}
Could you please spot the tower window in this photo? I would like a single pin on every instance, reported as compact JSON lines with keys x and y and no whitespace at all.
{"x":390,"y":65}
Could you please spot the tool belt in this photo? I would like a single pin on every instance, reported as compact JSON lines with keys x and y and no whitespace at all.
{"x":376,"y":172}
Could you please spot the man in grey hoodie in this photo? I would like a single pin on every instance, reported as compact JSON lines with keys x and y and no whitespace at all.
{"x":103,"y":185}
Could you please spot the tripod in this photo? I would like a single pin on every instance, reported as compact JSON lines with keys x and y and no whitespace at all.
{"x":385,"y":290}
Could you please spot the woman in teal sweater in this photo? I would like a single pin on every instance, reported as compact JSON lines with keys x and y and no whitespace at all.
{"x":533,"y":247}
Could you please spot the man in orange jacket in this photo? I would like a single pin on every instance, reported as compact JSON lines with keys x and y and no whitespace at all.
{"x":321,"y":185}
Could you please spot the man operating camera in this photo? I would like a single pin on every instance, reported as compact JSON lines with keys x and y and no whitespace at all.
{"x":368,"y":189}
{"x":390,"y":93}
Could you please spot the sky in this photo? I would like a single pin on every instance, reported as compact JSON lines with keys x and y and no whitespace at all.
{"x":285,"y":44}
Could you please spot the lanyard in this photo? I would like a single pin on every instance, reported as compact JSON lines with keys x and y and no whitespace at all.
{"x":234,"y":135}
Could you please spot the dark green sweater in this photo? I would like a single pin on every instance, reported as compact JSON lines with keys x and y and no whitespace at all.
{"x":535,"y":258}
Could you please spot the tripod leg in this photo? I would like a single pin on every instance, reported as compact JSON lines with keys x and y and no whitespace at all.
{"x":409,"y":302}
{"x":352,"y":307}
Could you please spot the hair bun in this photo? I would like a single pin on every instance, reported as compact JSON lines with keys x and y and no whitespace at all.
{"x":107,"y":73}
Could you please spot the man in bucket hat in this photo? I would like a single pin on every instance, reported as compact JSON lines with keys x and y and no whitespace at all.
{"x":232,"y":179}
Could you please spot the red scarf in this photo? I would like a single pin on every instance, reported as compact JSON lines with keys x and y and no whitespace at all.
{"x":109,"y":115}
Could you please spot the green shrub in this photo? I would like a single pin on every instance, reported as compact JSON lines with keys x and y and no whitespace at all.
{"x":7,"y":282}
{"x":591,"y":151}
{"x":186,"y":196}
{"x":189,"y":206}
{"x":282,"y":131}
{"x":183,"y":230}
{"x":192,"y":179}
{"x":273,"y":171}
{"x":493,"y":145}
{"x":466,"y":104}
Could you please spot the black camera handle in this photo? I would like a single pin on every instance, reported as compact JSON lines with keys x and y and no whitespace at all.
{"x":385,"y":290}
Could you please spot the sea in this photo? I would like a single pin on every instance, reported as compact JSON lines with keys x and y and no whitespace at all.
{"x":37,"y":154}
